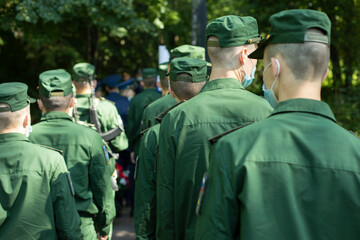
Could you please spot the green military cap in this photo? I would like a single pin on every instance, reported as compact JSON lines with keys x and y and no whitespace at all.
{"x":149,"y":72}
{"x":15,"y":95}
{"x":188,"y":51}
{"x":195,"y":67}
{"x":232,"y":31}
{"x":290,"y":26}
{"x":55,"y":83}
{"x":163,"y":68}
{"x":83,"y":71}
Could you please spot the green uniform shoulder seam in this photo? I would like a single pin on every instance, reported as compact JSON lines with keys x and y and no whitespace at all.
{"x":216,"y":138}
{"x":54,"y":149}
{"x":104,"y":99}
{"x":160,"y":117}
{"x":148,"y":105}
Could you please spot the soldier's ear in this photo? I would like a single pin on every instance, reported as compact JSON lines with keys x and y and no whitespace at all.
{"x":243,"y":56}
{"x":72,"y":102}
{"x":326,"y":74}
{"x":27,"y":120}
{"x":41,"y":106}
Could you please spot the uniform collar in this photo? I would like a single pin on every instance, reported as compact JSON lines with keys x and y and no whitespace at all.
{"x":161,"y":116}
{"x":55,"y":115}
{"x":10,"y":137}
{"x":149,"y":90}
{"x":304,"y":105}
{"x":222,"y":83}
{"x":82,"y":95}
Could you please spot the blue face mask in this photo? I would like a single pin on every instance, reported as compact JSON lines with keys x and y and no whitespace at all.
{"x":269,"y":93}
{"x":249,"y":79}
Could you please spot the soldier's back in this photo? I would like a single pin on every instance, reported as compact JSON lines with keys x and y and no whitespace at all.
{"x":27,"y":173}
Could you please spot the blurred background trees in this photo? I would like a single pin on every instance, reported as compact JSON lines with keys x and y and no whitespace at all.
{"x":123,"y":35}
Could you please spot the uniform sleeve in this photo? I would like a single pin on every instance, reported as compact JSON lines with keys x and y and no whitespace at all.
{"x":120,"y":142}
{"x":165,"y":225}
{"x":145,"y":188}
{"x":67,"y":219}
{"x":101,"y":187}
{"x":219,"y":211}
{"x":145,"y":121}
{"x":131,"y":128}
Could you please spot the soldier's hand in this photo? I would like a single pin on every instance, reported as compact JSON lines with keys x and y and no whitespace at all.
{"x":102,"y":237}
{"x":132,"y":157}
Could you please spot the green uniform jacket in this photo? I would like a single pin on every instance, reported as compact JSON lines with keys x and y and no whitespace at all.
{"x":145,"y":188}
{"x":35,"y":197}
{"x":85,"y":158}
{"x":184,"y":148}
{"x":154,"y":109}
{"x":108,"y":117}
{"x":295,"y":175}
{"x":136,"y":110}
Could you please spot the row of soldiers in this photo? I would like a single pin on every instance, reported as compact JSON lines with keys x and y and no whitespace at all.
{"x":57,"y":178}
{"x":224,"y":163}
{"x":213,"y":160}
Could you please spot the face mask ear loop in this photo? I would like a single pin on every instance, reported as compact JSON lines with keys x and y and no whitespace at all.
{"x":277,"y":74}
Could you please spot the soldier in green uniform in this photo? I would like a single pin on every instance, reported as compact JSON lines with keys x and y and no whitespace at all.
{"x":165,"y":102}
{"x":222,"y":104}
{"x":111,"y":125}
{"x":84,"y":153}
{"x":159,"y":105}
{"x":35,"y":193}
{"x":136,"y":109}
{"x":187,"y":77}
{"x":296,"y":174}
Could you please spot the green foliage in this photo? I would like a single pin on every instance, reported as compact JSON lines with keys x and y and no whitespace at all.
{"x":123,"y":35}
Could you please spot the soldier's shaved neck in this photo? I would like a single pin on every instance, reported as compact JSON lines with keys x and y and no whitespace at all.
{"x":82,"y":87}
{"x":60,"y":104}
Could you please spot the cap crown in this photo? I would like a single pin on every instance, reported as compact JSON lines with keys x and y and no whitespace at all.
{"x":232,"y":31}
{"x":15,"y":95}
{"x":55,"y":83}
{"x":149,"y":72}
{"x":83,"y":71}
{"x":197,"y":68}
{"x":112,"y":80}
{"x":188,"y":51}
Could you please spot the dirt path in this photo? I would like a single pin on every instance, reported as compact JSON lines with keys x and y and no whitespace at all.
{"x":124,"y":226}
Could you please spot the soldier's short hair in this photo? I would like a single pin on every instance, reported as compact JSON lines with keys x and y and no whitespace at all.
{"x":149,"y":82}
{"x":186,"y":90}
{"x":305,"y":60}
{"x":56,"y":103}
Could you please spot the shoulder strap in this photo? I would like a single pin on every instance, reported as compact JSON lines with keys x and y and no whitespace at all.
{"x":54,"y":149}
{"x":160,"y":117}
{"x":213,"y":140}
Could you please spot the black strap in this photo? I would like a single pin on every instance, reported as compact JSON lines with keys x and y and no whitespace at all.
{"x":213,"y":140}
{"x":160,"y":117}
{"x":111,"y":134}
